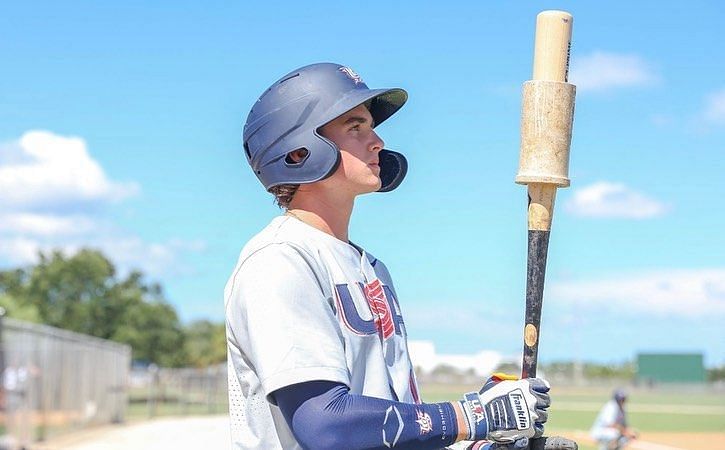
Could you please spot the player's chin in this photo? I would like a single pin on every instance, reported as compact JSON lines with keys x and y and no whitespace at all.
{"x":373,"y":174}
{"x":373,"y":184}
{"x":378,"y":182}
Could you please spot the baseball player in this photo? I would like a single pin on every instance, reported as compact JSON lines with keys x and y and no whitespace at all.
{"x":317,"y":348}
{"x":610,"y":428}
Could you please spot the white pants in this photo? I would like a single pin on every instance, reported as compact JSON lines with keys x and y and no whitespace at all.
{"x":609,"y":438}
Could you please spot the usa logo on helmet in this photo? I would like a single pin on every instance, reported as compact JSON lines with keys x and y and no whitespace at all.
{"x":351,"y":74}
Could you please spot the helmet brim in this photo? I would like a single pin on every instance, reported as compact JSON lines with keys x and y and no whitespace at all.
{"x":382,"y":103}
{"x":386,"y":103}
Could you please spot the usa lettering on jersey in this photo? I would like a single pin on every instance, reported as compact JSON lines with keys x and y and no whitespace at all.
{"x":381,"y":303}
{"x":379,"y":306}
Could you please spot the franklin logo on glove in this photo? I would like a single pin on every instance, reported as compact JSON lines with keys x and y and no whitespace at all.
{"x":520,"y":409}
{"x":506,"y":410}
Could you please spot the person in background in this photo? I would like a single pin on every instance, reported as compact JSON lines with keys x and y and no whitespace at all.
{"x":610,"y":428}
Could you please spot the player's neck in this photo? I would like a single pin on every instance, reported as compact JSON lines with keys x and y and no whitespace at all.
{"x":329,"y":215}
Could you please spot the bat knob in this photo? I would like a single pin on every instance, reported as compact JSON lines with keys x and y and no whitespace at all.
{"x":542,"y":443}
{"x":552,"y":443}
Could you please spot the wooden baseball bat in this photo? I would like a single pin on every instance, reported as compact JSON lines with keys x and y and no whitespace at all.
{"x":546,"y":123}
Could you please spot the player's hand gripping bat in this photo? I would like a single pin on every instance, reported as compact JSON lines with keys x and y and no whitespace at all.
{"x":546,"y":124}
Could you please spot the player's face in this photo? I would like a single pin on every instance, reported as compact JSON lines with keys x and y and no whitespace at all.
{"x":359,"y":146}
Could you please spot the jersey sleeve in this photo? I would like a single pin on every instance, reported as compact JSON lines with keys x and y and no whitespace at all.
{"x":283,"y":319}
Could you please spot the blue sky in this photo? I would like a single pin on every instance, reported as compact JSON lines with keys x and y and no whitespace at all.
{"x":120,"y":129}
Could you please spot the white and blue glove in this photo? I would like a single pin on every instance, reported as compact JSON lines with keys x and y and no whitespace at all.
{"x":505,"y":410}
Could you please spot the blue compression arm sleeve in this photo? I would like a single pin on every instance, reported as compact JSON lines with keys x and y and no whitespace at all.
{"x":324,"y":415}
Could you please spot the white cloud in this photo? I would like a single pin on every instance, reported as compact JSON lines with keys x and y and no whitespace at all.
{"x":18,"y":250}
{"x":613,"y":200}
{"x":127,"y":252}
{"x":51,"y":189}
{"x":132,"y":252}
{"x":688,"y":293}
{"x":714,"y":112}
{"x":600,"y":71}
{"x":44,"y":170}
{"x":36,"y":224}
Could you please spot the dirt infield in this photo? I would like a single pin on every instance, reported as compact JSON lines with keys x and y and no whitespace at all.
{"x":663,"y":441}
{"x":188,"y":433}
{"x":699,"y":441}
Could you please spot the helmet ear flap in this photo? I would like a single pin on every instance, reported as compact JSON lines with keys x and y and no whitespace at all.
{"x":331,"y":147}
{"x":393,"y":168}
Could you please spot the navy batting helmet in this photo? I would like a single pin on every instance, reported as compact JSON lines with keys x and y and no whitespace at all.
{"x":289,"y":114}
{"x":620,"y":395}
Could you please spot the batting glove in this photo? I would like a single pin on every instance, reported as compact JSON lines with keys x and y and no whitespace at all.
{"x":508,"y":410}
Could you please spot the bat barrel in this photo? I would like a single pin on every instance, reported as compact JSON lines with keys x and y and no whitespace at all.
{"x":552,"y":46}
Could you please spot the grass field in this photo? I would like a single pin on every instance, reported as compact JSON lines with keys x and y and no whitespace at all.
{"x":679,"y":420}
{"x":141,"y":411}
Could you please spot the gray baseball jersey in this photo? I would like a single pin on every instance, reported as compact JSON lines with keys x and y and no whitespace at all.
{"x":302,"y":305}
{"x":604,"y":427}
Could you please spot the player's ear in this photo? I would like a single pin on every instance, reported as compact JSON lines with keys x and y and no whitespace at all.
{"x":296,"y":156}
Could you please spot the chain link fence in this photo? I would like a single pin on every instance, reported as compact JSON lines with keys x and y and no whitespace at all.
{"x":55,"y":381}
{"x":185,"y":391}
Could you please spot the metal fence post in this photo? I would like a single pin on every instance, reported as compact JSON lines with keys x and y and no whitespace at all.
{"x":208,"y":382}
{"x":153,"y":389}
{"x":4,"y":411}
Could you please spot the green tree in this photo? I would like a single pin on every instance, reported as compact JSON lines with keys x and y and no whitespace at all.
{"x":153,"y":330}
{"x":622,"y":371}
{"x":18,"y":310}
{"x":82,"y":293}
{"x":716,"y":373}
{"x":64,"y":290}
{"x":508,"y":368}
{"x":12,"y":282}
{"x":205,"y":343}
